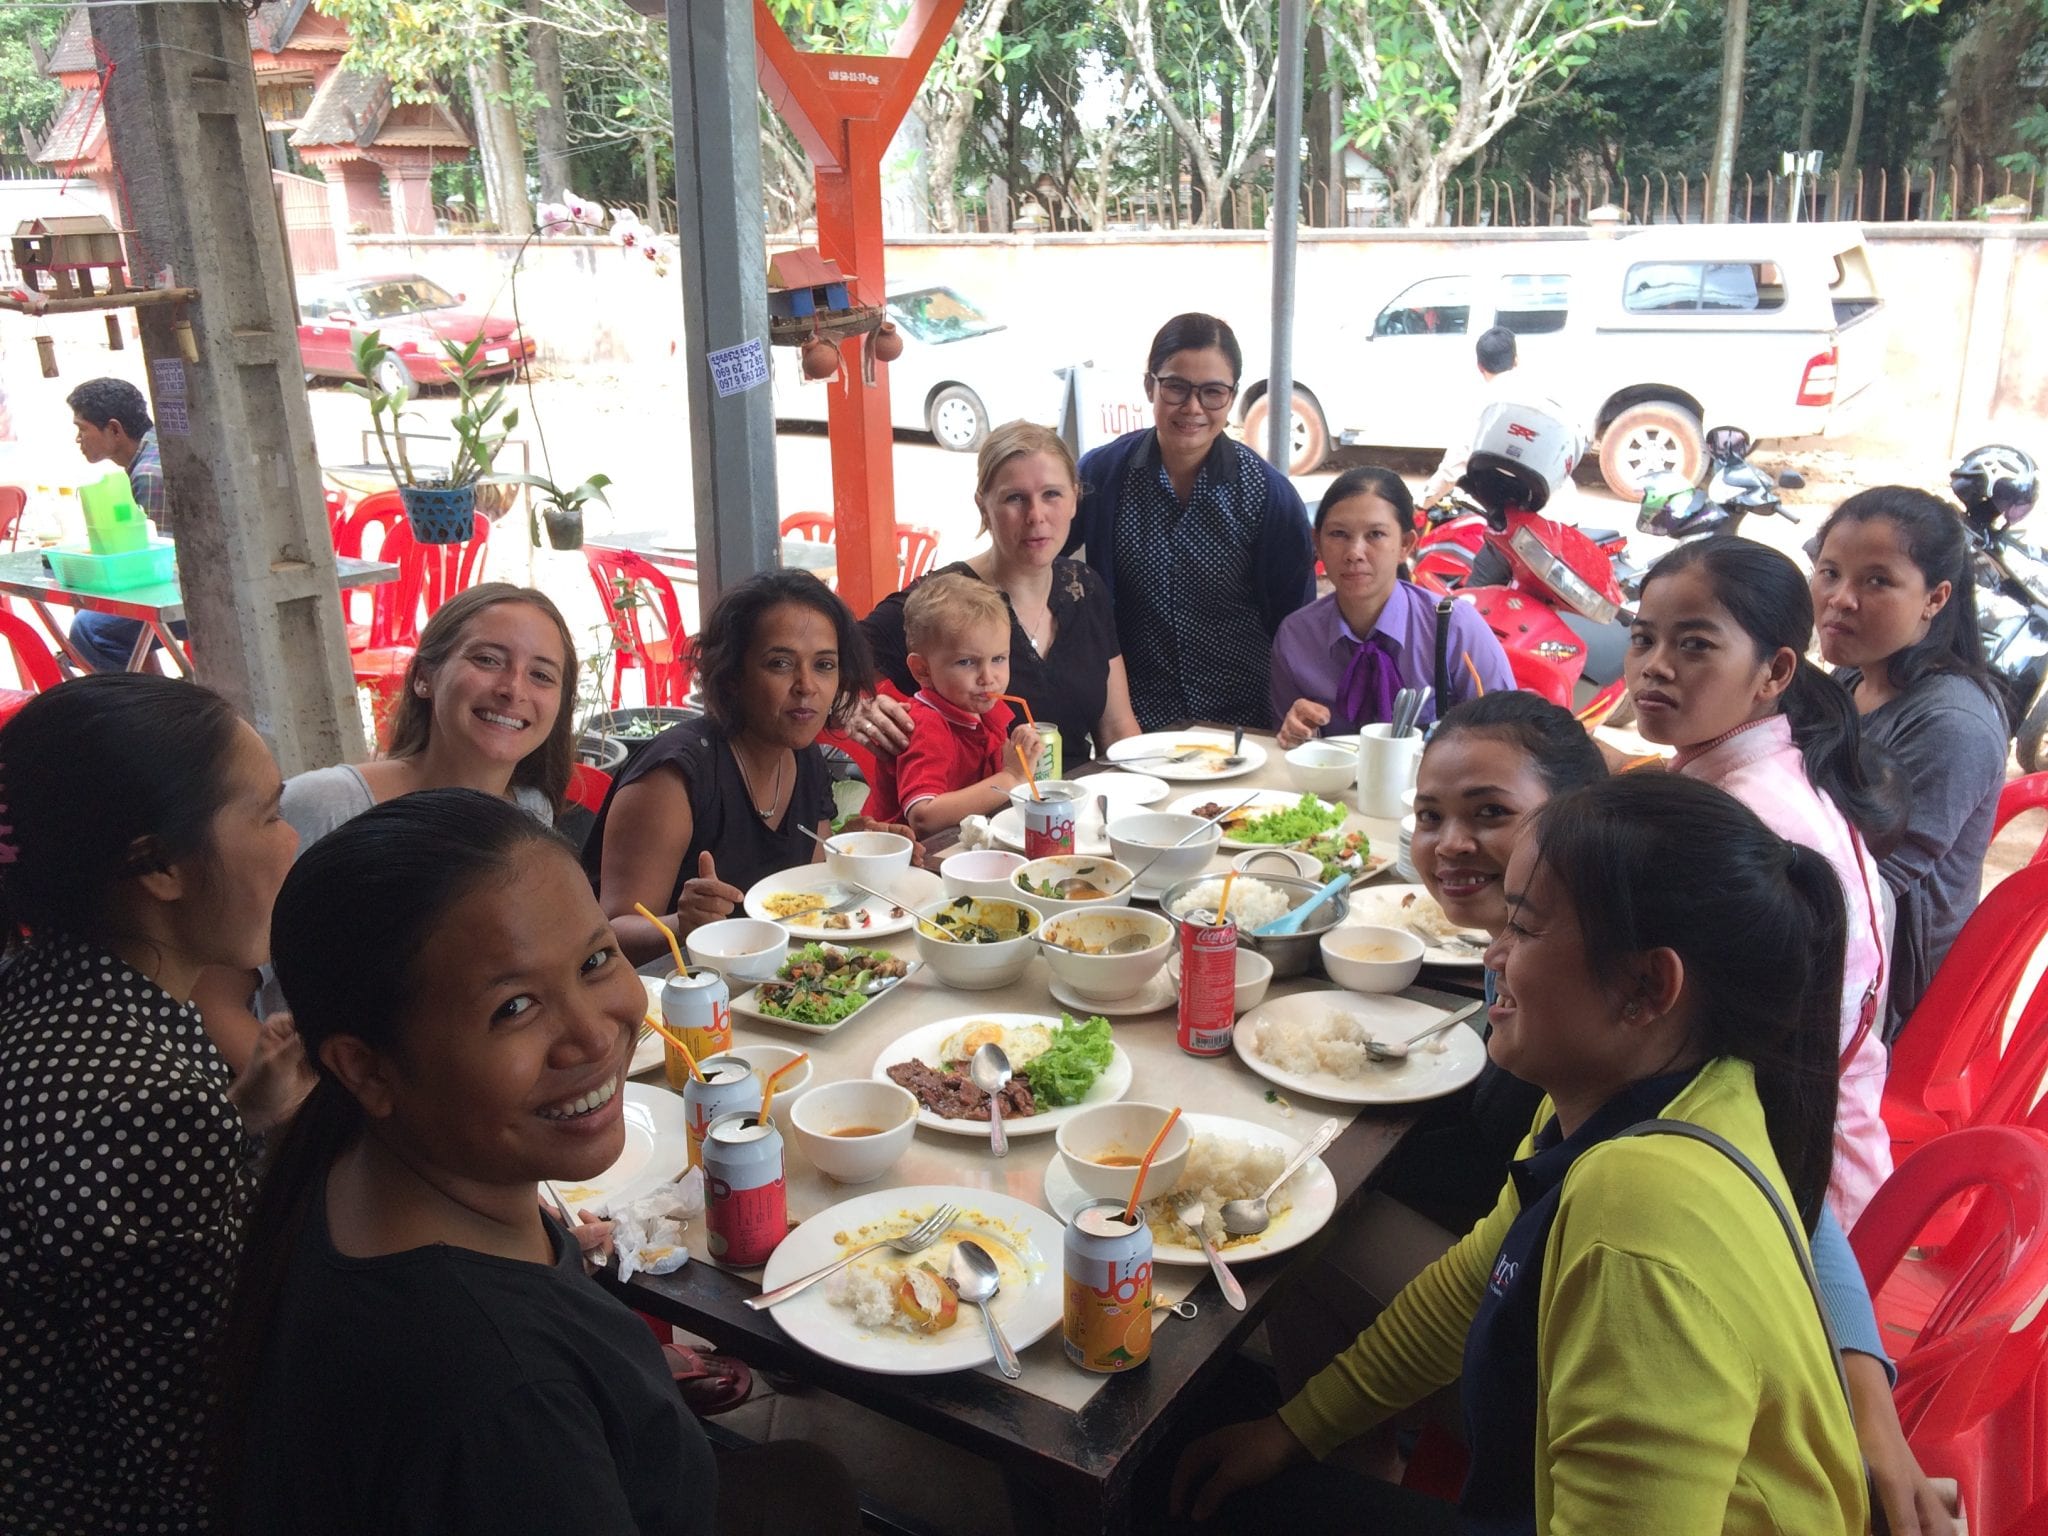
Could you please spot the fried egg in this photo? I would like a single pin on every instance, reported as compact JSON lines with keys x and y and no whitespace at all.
{"x":1021,"y":1043}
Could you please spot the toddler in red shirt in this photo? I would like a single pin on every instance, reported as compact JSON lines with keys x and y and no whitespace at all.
{"x":962,"y":757}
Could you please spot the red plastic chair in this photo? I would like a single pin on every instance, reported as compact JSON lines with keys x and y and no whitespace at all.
{"x":1952,"y":1065}
{"x":337,"y":511}
{"x":1980,"y":1341}
{"x":34,"y":663}
{"x":361,"y":535}
{"x":818,"y":527}
{"x":13,"y":502}
{"x":588,"y":786}
{"x":2016,"y":799}
{"x":428,"y":575}
{"x":916,"y":548}
{"x":647,"y":625}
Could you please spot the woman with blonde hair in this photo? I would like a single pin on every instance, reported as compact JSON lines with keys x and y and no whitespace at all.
{"x":1065,"y":658}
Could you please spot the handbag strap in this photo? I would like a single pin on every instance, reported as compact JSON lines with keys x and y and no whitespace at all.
{"x":1873,"y":995}
{"x":1441,"y":673}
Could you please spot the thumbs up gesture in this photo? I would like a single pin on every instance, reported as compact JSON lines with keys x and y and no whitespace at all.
{"x":705,"y":898}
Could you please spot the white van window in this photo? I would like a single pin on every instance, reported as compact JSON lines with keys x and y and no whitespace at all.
{"x":1533,"y":304}
{"x":1702,"y":287}
{"x":1436,"y":306}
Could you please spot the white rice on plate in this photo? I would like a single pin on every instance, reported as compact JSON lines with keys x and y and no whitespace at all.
{"x":1253,"y":903}
{"x":1332,"y":1046}
{"x":1219,"y":1169}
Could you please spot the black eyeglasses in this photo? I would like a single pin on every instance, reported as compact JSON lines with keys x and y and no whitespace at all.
{"x":1175,"y":390}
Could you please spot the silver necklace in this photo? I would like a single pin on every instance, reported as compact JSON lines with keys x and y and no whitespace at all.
{"x":753,"y":797}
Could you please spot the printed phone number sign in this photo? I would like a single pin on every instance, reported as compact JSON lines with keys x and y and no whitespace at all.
{"x":735,"y":369}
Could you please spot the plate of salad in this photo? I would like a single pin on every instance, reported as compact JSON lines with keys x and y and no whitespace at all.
{"x":826,"y":984}
{"x":1060,"y":1065}
{"x":1274,"y":818}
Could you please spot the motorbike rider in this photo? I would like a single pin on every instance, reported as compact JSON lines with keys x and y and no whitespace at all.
{"x":1501,"y":378}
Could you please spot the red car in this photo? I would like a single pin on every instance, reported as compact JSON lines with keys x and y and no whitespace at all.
{"x":412,"y":313}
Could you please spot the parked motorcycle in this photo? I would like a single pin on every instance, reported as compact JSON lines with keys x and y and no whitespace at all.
{"x":1734,"y":489}
{"x":1996,"y":486}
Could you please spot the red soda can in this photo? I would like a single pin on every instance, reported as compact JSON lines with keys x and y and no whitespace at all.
{"x":746,"y":1202}
{"x":1208,"y":984}
{"x":730,"y":1087}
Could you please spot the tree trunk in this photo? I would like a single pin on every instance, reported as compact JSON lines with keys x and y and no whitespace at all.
{"x":497,"y":132}
{"x":1807,"y":102}
{"x":1226,"y":120}
{"x":1319,"y":185}
{"x":1728,"y":130}
{"x":650,"y":164}
{"x":1859,"y":82}
{"x":551,"y":113}
{"x":1426,"y":201}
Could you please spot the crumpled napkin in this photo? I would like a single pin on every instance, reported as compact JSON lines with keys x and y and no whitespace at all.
{"x":974,"y":833}
{"x":647,"y":1235}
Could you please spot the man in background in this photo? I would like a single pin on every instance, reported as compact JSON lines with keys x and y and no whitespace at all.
{"x":114,"y":427}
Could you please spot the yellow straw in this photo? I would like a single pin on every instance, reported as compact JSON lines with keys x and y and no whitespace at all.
{"x":673,"y":947}
{"x":775,"y":1079}
{"x":1223,"y":901}
{"x":1478,"y":685}
{"x":676,"y":1040}
{"x":1029,"y":781}
{"x":1145,"y":1165}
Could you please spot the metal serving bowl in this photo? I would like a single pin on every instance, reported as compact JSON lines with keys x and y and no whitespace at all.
{"x":1291,"y":953}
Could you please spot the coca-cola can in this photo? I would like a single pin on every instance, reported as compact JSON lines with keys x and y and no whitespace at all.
{"x":1208,"y":984}
{"x":1106,"y":1318}
{"x":695,"y":1004}
{"x":1050,"y":817}
{"x":730,"y":1087}
{"x":746,"y":1202}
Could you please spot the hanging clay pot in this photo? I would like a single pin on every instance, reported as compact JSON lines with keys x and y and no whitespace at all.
{"x":888,"y":344}
{"x":821,"y":358}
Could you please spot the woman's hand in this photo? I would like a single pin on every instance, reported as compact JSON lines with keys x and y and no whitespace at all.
{"x":1303,"y":721}
{"x":1910,"y":1501}
{"x":881,"y":724}
{"x":593,"y":1235}
{"x":918,"y":858}
{"x":1225,"y":1461}
{"x":705,"y":898}
{"x":277,"y":1079}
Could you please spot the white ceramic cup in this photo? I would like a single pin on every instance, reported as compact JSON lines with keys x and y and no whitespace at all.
{"x":1386,"y":771}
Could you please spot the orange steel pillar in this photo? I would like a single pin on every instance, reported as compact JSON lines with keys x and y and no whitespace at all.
{"x":844,"y":109}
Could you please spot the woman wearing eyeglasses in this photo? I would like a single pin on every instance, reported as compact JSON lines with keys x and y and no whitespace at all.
{"x":1204,"y":546}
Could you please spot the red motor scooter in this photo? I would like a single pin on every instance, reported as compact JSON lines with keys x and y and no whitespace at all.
{"x":1447,"y":556}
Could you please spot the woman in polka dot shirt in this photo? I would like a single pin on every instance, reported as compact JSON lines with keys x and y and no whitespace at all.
{"x":144,"y":843}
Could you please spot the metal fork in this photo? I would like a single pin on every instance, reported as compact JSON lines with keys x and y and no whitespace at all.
{"x":916,"y":1240}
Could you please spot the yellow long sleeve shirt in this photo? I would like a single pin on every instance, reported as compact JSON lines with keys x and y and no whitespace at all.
{"x":1685,"y":1384}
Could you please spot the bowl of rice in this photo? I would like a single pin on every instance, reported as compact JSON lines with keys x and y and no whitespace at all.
{"x":1256,"y":901}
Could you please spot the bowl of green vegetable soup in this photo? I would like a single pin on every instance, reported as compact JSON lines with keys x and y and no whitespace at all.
{"x":977,"y":944}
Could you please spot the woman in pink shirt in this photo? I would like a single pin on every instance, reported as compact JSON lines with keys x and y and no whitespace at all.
{"x":1717,"y":668}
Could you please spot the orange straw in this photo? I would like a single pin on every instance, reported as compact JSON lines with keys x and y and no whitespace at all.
{"x":1640,"y":762}
{"x":1223,"y":901}
{"x":673,"y":947}
{"x":1145,"y":1166}
{"x":775,"y":1081}
{"x":676,"y":1040}
{"x":1478,"y":685}
{"x":1021,"y":703}
{"x":1033,"y":783}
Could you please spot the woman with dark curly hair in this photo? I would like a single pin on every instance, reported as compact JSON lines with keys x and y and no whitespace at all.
{"x":716,"y":803}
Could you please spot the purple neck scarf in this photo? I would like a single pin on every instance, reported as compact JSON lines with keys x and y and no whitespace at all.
{"x":1365,"y":694}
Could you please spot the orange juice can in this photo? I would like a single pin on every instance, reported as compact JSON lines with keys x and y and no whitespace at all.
{"x":1107,"y":1319}
{"x":697,"y":1005}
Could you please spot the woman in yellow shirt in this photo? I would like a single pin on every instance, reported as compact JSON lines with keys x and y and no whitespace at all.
{"x":1638,"y":1345}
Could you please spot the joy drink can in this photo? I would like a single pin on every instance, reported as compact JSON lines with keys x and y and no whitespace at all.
{"x":696,"y":1005}
{"x":730,"y":1087}
{"x":746,"y":1205}
{"x":1049,"y":763}
{"x":1049,"y":819}
{"x":1107,"y":1319}
{"x":1208,"y":984}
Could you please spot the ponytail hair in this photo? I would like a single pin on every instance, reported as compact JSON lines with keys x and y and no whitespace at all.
{"x":379,"y":886}
{"x":1767,"y":596}
{"x":1549,"y":735}
{"x":1759,"y":924}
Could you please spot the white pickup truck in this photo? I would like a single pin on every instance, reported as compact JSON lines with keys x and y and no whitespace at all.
{"x":1647,"y":337}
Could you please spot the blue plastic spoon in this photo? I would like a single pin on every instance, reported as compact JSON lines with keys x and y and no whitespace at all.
{"x":1290,"y":922}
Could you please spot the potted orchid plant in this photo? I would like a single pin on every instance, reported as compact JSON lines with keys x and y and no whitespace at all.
{"x":441,"y":507}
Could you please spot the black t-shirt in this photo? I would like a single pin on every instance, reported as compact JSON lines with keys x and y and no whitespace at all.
{"x":1067,"y":687}
{"x":443,"y":1392}
{"x":722,"y":815}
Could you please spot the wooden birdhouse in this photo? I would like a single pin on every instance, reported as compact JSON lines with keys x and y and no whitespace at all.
{"x":58,"y":256}
{"x":803,"y":283}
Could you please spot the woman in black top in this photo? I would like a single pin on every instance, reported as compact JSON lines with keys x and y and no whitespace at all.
{"x":144,"y":844}
{"x":1065,"y":659}
{"x":413,"y":1346}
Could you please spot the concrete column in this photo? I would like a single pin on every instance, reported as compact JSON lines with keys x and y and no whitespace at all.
{"x":1984,"y":352}
{"x":412,"y":197}
{"x":240,"y":471}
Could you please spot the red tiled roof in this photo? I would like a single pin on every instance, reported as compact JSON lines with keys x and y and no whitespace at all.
{"x":802,"y":269}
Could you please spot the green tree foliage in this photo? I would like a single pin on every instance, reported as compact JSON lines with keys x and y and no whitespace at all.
{"x":27,"y":99}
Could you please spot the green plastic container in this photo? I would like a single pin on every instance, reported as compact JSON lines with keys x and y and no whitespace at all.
{"x":114,"y":524}
{"x":89,"y":571}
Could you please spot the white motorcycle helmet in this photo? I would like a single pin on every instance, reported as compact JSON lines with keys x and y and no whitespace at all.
{"x":1520,"y":455}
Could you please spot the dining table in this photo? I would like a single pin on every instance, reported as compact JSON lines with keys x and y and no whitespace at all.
{"x":156,"y":606}
{"x":1074,"y":1438}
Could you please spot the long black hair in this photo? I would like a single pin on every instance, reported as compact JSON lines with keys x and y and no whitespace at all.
{"x":347,"y":936}
{"x":1549,"y":735}
{"x":719,"y":653}
{"x":1758,"y":922}
{"x":1936,"y":543}
{"x":104,"y":778}
{"x":1767,"y":596}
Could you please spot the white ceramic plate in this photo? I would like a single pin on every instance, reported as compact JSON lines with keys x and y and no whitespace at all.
{"x":911,"y":888}
{"x":748,"y":1004}
{"x":1156,"y":996}
{"x":1028,"y":1305}
{"x":648,"y":1049}
{"x":1428,"y":1073}
{"x":1311,"y":1202}
{"x":1156,"y":746}
{"x":922,"y":1044}
{"x":1382,"y":906}
{"x":1125,"y":789}
{"x":1263,"y":801}
{"x":657,"y":1149}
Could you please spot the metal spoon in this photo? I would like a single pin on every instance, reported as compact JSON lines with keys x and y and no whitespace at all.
{"x":1078,"y":881}
{"x":1191,"y":1214}
{"x":1248,"y":1218}
{"x":976,"y":1279}
{"x":1129,"y":944}
{"x":1397,"y":1050}
{"x":990,"y":1072}
{"x":1236,"y":757}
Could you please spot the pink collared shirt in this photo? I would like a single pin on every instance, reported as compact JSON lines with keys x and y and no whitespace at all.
{"x":1760,"y":766}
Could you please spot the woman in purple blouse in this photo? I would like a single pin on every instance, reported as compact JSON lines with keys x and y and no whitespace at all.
{"x":1338,"y":663}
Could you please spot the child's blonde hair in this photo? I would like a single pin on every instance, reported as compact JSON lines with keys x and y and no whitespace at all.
{"x":942,"y":607}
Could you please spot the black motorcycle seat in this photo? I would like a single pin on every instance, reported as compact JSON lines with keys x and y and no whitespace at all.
{"x":1601,"y":535}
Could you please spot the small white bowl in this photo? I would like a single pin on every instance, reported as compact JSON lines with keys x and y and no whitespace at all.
{"x":982,"y":872}
{"x":1278,"y":861}
{"x":1140,"y":837}
{"x":1369,"y":959}
{"x":979,"y":967}
{"x":741,"y":949}
{"x":1106,"y":978}
{"x":767,"y":1060}
{"x":1105,"y":874}
{"x":1122,"y":1130}
{"x":868,"y":857}
{"x":885,"y":1112}
{"x":1254,"y":975}
{"x":1323,"y":768}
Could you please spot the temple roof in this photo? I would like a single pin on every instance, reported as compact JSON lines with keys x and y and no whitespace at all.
{"x":77,"y":134}
{"x":355,"y":110}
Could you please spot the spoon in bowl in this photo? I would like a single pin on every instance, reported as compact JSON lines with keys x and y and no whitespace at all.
{"x":990,"y":1072}
{"x":1248,"y":1218}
